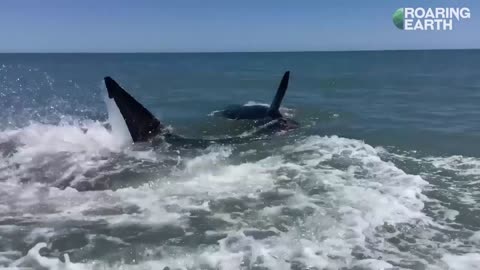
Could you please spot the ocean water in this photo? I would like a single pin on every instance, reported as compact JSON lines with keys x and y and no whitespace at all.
{"x":384,"y":172}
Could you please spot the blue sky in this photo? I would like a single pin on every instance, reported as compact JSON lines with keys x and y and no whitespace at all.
{"x":221,"y":25}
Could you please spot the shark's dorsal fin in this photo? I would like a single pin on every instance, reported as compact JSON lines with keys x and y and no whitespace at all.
{"x":141,"y":123}
{"x":274,"y":110}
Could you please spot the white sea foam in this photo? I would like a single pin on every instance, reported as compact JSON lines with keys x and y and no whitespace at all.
{"x":455,"y":180}
{"x":60,"y":152}
{"x":469,"y":166}
{"x":34,"y":260}
{"x":464,"y":181}
{"x":68,"y":151}
{"x":475,"y":237}
{"x":320,"y":200}
{"x":469,"y":261}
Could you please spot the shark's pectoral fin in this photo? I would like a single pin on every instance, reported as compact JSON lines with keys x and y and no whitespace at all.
{"x":141,"y":123}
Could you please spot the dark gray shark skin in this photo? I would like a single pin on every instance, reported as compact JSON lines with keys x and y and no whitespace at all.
{"x":248,"y":112}
{"x":144,"y":127}
{"x":258,"y":112}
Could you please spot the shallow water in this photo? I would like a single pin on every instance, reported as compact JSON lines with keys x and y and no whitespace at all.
{"x":383,"y":174}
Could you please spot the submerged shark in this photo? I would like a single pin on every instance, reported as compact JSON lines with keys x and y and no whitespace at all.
{"x":262,"y":113}
{"x":143,"y":126}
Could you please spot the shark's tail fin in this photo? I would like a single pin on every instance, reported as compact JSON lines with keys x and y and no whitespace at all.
{"x":141,"y":123}
{"x":274,"y":110}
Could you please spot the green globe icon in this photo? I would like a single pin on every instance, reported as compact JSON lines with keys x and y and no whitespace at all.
{"x":398,"y":18}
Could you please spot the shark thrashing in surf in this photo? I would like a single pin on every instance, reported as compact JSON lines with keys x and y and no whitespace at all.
{"x":143,"y":126}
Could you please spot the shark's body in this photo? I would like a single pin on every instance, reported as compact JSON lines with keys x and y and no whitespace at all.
{"x":143,"y":126}
{"x":261,"y":113}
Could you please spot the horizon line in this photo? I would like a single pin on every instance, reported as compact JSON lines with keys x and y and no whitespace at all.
{"x":220,"y":52}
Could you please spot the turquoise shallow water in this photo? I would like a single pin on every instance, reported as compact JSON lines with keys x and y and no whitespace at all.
{"x":384,"y":171}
